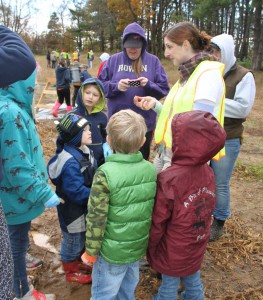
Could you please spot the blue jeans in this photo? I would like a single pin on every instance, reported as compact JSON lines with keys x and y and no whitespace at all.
{"x":19,"y":245}
{"x":193,"y":288}
{"x":72,"y":245}
{"x":114,"y":281}
{"x":223,"y":170}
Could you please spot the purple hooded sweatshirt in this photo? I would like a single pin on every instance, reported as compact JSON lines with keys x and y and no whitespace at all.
{"x":119,"y":66}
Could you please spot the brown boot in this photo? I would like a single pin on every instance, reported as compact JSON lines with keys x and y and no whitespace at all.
{"x":73,"y":273}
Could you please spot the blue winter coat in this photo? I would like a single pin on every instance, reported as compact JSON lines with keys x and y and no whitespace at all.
{"x":72,"y":171}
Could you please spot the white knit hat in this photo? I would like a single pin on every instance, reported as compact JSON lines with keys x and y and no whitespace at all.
{"x":104,"y":56}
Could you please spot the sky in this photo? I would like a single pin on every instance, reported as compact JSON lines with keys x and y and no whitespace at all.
{"x":40,"y":19}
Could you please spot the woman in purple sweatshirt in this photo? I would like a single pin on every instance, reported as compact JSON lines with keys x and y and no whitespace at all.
{"x":134,"y":72}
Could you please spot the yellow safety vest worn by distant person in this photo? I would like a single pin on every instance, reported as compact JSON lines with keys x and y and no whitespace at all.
{"x":181,"y":100}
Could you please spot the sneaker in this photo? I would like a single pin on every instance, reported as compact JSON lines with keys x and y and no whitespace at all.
{"x":33,"y":294}
{"x":32,"y":262}
{"x":216,"y":230}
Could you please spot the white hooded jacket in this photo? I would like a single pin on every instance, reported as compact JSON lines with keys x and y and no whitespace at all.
{"x":245,"y":90}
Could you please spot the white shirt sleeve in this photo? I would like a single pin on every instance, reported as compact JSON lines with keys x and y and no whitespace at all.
{"x":244,"y":97}
{"x":209,"y":89}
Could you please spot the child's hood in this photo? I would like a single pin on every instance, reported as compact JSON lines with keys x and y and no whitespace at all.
{"x":101,"y":103}
{"x":197,"y":137}
{"x":20,"y":92}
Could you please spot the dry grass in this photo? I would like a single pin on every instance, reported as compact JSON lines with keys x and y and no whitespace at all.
{"x":238,"y":245}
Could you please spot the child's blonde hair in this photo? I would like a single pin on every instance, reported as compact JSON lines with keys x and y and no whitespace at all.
{"x":126,"y":130}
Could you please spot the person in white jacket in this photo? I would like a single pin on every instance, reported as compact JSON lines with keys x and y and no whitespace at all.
{"x":240,"y":95}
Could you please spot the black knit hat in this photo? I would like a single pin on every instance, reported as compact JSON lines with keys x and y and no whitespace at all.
{"x":71,"y":128}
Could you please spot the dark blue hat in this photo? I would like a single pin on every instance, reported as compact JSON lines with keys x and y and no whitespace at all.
{"x":71,"y":128}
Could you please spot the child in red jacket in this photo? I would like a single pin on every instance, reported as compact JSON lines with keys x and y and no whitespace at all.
{"x":184,"y":204}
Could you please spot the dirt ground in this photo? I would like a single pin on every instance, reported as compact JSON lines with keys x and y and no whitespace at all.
{"x":233,"y":266}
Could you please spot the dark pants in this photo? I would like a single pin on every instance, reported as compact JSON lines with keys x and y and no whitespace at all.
{"x":145,"y":149}
{"x":64,"y":94}
{"x":75,"y":93}
{"x":53,"y":64}
{"x":19,"y":240}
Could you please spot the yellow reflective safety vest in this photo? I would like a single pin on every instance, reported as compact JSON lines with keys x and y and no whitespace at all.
{"x":181,"y":99}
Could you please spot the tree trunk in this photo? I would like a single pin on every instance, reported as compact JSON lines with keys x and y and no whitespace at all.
{"x":258,"y":37}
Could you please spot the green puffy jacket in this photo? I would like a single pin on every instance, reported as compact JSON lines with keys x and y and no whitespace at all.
{"x":132,"y":186}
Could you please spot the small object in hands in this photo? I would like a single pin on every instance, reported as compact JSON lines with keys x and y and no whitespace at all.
{"x":134,"y":82}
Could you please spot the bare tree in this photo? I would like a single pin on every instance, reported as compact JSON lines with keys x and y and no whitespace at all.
{"x":258,"y":37}
{"x":16,"y":15}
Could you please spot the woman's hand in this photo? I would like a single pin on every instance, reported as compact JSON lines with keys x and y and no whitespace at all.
{"x":123,"y":85}
{"x":144,"y":103}
{"x":143,"y":81}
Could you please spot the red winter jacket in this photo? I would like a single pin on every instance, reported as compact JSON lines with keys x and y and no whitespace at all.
{"x":185,"y":197}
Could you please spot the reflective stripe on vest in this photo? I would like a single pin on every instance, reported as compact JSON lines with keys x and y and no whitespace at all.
{"x":181,"y":99}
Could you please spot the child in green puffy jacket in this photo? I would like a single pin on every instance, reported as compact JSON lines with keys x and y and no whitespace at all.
{"x":120,"y":210}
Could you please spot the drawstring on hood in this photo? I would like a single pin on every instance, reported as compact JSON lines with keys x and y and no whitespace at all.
{"x":226,"y":45}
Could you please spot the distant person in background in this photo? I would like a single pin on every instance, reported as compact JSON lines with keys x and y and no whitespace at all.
{"x":75,"y":56}
{"x":57,"y":54}
{"x":68,"y":59}
{"x":240,"y":95}
{"x":63,"y":54}
{"x":48,"y":58}
{"x":83,"y":74}
{"x":24,"y":189}
{"x":104,"y":57}
{"x":63,"y":80}
{"x":90,"y":58}
{"x":53,"y":58}
{"x":134,"y":62}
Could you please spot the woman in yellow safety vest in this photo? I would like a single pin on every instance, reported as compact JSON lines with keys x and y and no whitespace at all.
{"x":200,"y":86}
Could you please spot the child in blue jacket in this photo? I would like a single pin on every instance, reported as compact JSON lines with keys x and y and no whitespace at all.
{"x":90,"y":104}
{"x":71,"y":171}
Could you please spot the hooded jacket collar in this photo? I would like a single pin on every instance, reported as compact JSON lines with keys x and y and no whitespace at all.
{"x":20,"y":92}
